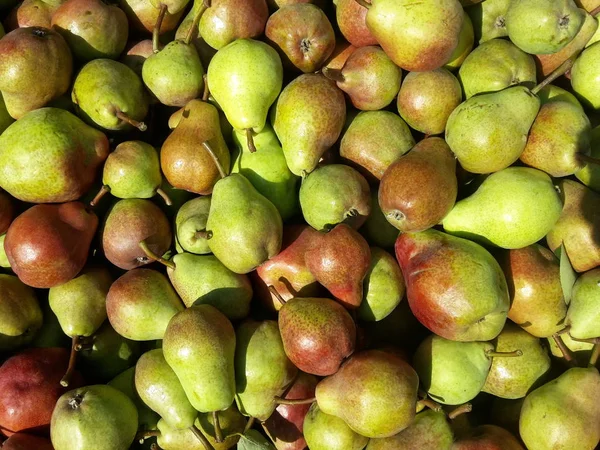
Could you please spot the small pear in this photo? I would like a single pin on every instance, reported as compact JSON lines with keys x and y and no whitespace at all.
{"x":590,"y":174}
{"x":582,"y":316}
{"x":351,"y":20}
{"x":20,"y":313}
{"x":326,"y":432}
{"x":489,"y":19}
{"x":190,"y":222}
{"x":584,"y":78}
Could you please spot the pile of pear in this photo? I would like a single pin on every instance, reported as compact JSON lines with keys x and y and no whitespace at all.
{"x":299,"y":224}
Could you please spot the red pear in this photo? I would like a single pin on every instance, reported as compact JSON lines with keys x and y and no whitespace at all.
{"x":22,"y":441}
{"x":351,"y":18}
{"x":488,"y":437}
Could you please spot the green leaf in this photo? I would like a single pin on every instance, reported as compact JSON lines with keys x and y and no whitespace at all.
{"x":567,"y":274}
{"x":253,"y":440}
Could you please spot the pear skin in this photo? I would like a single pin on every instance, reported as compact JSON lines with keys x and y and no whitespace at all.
{"x":19,"y":309}
{"x":327,"y":432}
{"x":351,"y":19}
{"x":582,"y":316}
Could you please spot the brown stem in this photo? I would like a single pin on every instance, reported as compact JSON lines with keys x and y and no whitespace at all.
{"x":150,"y":254}
{"x":276,"y":294}
{"x":203,"y":234}
{"x":250,"y":140}
{"x":217,"y":425}
{"x":206,"y":92}
{"x":195,"y":22}
{"x":588,"y":159}
{"x":363,"y":3}
{"x":428,"y":403}
{"x":156,"y":30}
{"x":101,"y":193}
{"x":134,"y":123}
{"x":249,"y":424}
{"x":164,"y":196}
{"x":210,"y":151}
{"x":493,"y":354}
{"x":142,"y":435}
{"x":593,"y":341}
{"x":569,"y":358}
{"x":333,"y":74}
{"x":559,"y":71}
{"x":564,"y":330}
{"x":459,"y":410}
{"x":201,"y":437}
{"x":66,"y":379}
{"x":596,"y":11}
{"x":595,"y":355}
{"x":295,"y":401}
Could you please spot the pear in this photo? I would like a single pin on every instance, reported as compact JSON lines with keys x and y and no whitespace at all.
{"x":135,"y":54}
{"x":383,"y":287}
{"x":190,"y":223}
{"x":582,"y":316}
{"x":416,"y":207}
{"x":488,"y":132}
{"x":23,"y":441}
{"x":417,"y":36}
{"x":495,"y":65}
{"x":199,"y":345}
{"x":466,"y":40}
{"x":142,"y":16}
{"x":110,"y":95}
{"x":262,"y":368}
{"x":427,"y":99}
{"x":489,"y":19}
{"x":174,"y":75}
{"x":141,"y":303}
{"x":20,"y":83}
{"x":376,"y":229}
{"x":334,"y":194}
{"x":267,"y":169}
{"x":487,"y":437}
{"x":5,"y":118}
{"x":239,"y":214}
{"x":245,"y":78}
{"x":576,"y":228}
{"x":62,"y":175}
{"x":374,"y":140}
{"x":4,"y":263}
{"x":326,"y":432}
{"x":31,"y":13}
{"x":563,"y":413}
{"x":308,"y":119}
{"x":590,"y":173}
{"x":20,"y":313}
{"x":374,"y":392}
{"x":581,"y":351}
{"x":101,"y":416}
{"x":513,"y":208}
{"x":541,"y":26}
{"x":584,"y":78}
{"x":454,"y":287}
{"x":351,"y":19}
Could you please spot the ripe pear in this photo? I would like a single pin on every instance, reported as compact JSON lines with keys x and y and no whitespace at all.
{"x":374,"y":392}
{"x":590,"y":174}
{"x":513,"y":208}
{"x":199,"y":345}
{"x":20,"y":83}
{"x":466,"y":40}
{"x":495,"y":65}
{"x":240,"y":216}
{"x":125,"y":382}
{"x":351,"y":20}
{"x":376,"y":229}
{"x":584,"y":77}
{"x":327,"y":432}
{"x":190,"y":222}
{"x":454,"y":286}
{"x":142,"y":16}
{"x":415,"y":207}
{"x":489,"y":19}
{"x":62,"y":175}
{"x":581,"y":351}
{"x":308,"y":119}
{"x":417,"y":36}
{"x":20,"y":313}
{"x":563,"y":413}
{"x":582,"y":316}
{"x":101,"y":417}
{"x":24,"y":441}
{"x":488,"y":437}
{"x":488,"y":132}
{"x":31,"y":13}
{"x":542,"y":26}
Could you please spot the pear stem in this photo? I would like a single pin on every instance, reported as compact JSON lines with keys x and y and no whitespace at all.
{"x":564,"y":330}
{"x":211,"y":152}
{"x":206,"y":92}
{"x":333,"y":74}
{"x":75,"y":346}
{"x":595,"y":355}
{"x":559,"y":71}
{"x":142,"y":435}
{"x":250,"y":140}
{"x":157,"y":26}
{"x":295,"y":401}
{"x":249,"y":424}
{"x":101,"y":193}
{"x":217,"y":425}
{"x":195,"y":22}
{"x":276,"y":294}
{"x":428,"y":403}
{"x":493,"y":354}
{"x":164,"y":196}
{"x":593,"y":341}
{"x":363,"y":3}
{"x":201,"y":437}
{"x":150,"y":254}
{"x":595,"y":11}
{"x":203,"y":234}
{"x":564,"y":350}
{"x":459,"y":410}
{"x":134,"y":123}
{"x":588,"y":159}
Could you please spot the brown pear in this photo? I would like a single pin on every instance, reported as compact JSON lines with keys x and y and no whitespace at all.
{"x":577,"y":228}
{"x":416,"y":206}
{"x":48,"y":245}
{"x":351,"y":19}
{"x":186,"y":157}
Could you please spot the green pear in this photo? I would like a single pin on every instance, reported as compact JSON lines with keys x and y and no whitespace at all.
{"x":334,"y":194}
{"x":110,"y":95}
{"x":542,"y":26}
{"x":5,"y":118}
{"x":376,"y":229}
{"x":582,"y":315}
{"x":584,"y":76}
{"x":73,"y":152}
{"x":326,"y":432}
{"x":581,"y":351}
{"x":590,"y":174}
{"x":50,"y":334}
{"x":190,"y":223}
{"x":374,"y":392}
{"x":308,"y":118}
{"x":20,"y":313}
{"x":563,"y":413}
{"x":514,"y":377}
{"x":551,"y":93}
{"x":452,"y":372}
{"x":4,"y":262}
{"x":199,"y":345}
{"x":489,"y":19}
{"x":512,"y":208}
{"x":495,"y":65}
{"x":466,"y":40}
{"x":160,"y":389}
{"x":175,"y":74}
{"x":245,"y":78}
{"x":245,"y":227}
{"x":488,"y":132}
{"x":267,"y":169}
{"x":101,"y":417}
{"x":383,"y":287}
{"x":262,"y":369}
